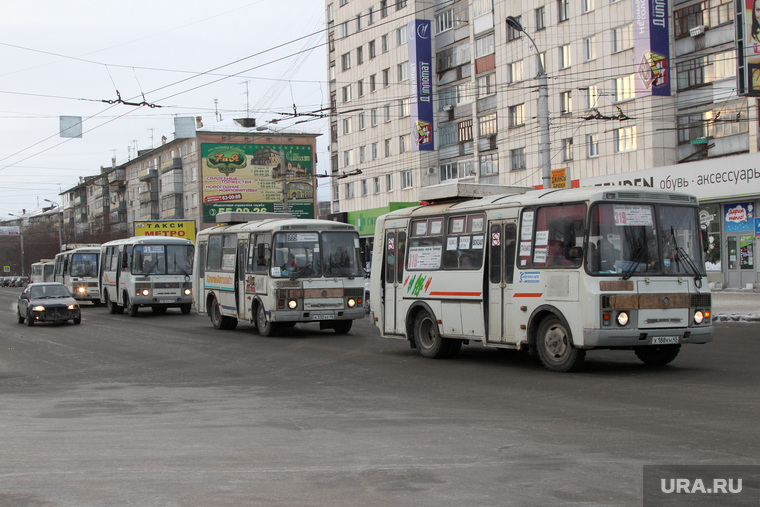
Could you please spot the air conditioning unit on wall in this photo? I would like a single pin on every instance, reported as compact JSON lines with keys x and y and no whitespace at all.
{"x":431,"y":170}
{"x":697,"y":30}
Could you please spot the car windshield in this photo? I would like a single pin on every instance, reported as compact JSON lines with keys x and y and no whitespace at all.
{"x":48,"y":291}
{"x":643,"y":239}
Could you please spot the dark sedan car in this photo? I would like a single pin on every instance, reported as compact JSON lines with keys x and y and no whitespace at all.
{"x":47,"y":302}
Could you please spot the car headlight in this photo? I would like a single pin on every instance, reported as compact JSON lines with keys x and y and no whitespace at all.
{"x":38,"y":308}
{"x":72,"y":307}
{"x":292,"y":304}
{"x":146,"y":292}
{"x":188,"y":292}
{"x":698,"y":317}
{"x":622,"y":318}
{"x":351,"y":303}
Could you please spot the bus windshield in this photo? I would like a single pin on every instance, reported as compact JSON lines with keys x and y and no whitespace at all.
{"x":341,"y":254}
{"x":84,"y":264}
{"x":643,"y":239}
{"x":311,"y":254}
{"x":163,"y":260}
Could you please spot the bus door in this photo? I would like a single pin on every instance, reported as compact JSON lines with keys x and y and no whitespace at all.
{"x":502,"y":241}
{"x":395,"y":246}
{"x":242,"y":257}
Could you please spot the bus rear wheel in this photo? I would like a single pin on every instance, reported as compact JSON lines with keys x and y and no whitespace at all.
{"x":555,"y":347}
{"x":657,"y":356}
{"x":110,"y":305}
{"x":218,"y":320}
{"x":428,"y":339}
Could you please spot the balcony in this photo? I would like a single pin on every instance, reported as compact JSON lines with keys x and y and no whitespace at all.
{"x":117,"y":178}
{"x":148,"y":197}
{"x":147,"y":174}
{"x":169,"y":165}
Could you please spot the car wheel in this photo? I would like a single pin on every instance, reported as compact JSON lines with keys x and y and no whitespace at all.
{"x":29,"y":319}
{"x":20,"y":318}
{"x":78,"y":319}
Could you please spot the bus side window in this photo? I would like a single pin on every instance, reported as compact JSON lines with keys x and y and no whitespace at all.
{"x":390,"y":257}
{"x":510,"y":246}
{"x":262,"y":253}
{"x":495,"y":254}
{"x":400,"y":260}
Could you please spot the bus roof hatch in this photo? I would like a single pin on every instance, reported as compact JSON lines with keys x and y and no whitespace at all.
{"x":464,"y":191}
{"x":239,"y":217}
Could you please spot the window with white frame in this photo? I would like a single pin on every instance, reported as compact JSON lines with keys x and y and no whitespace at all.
{"x":371,"y":49}
{"x":464,"y":129}
{"x":404,"y":107}
{"x":383,"y":8}
{"x":448,"y":172}
{"x":345,"y":61}
{"x":622,"y":38}
{"x":372,"y":83}
{"x":591,"y":97}
{"x":360,"y":55}
{"x":344,"y":31}
{"x":386,"y":77}
{"x":370,"y":15}
{"x":487,"y":125}
{"x":480,"y":7}
{"x":447,"y":135}
{"x":402,"y":70}
{"x":563,"y":10}
{"x":346,"y":126}
{"x":515,"y":72}
{"x":347,"y":93}
{"x":486,"y":85}
{"x":512,"y":32}
{"x":489,"y":164}
{"x":362,"y":121}
{"x":403,"y":143}
{"x":724,"y":64}
{"x":484,"y":45}
{"x":565,"y":59}
{"x":387,"y":110}
{"x":625,"y":88}
{"x":387,"y":147}
{"x":384,"y":43}
{"x":466,"y":168}
{"x":362,"y":154}
{"x":373,"y":116}
{"x":401,"y":36}
{"x":376,"y":185}
{"x":360,"y":87}
{"x":592,"y":145}
{"x":517,"y":115}
{"x":566,"y":102}
{"x":517,"y":159}
{"x":348,"y":158}
{"x":364,"y":187}
{"x":625,"y":139}
{"x":540,"y":15}
{"x":388,"y":182}
{"x":444,"y":21}
{"x":374,"y":151}
{"x":587,"y":6}
{"x":589,"y":48}
{"x":406,"y":179}
{"x":330,"y":13}
{"x":349,"y":190}
{"x":567,"y":149}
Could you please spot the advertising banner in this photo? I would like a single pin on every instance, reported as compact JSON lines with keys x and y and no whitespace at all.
{"x":421,"y":84}
{"x":651,"y":39}
{"x":748,"y":45}
{"x":250,"y":177}
{"x":10,"y":230}
{"x":184,"y":229}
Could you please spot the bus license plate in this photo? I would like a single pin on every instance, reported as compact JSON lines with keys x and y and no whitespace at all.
{"x":664,"y":340}
{"x":322,"y":317}
{"x":166,"y":301}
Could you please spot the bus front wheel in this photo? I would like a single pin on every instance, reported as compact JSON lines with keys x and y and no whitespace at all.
{"x":428,"y":339}
{"x":657,"y":356}
{"x":343,"y":326}
{"x":266,"y":326}
{"x":555,"y":348}
{"x":131,"y":307}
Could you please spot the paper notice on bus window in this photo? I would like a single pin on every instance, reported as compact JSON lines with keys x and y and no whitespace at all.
{"x":464,"y":242}
{"x":424,"y":257}
{"x":435,"y":227}
{"x":153,"y":249}
{"x":542,"y":238}
{"x":539,"y":255}
{"x":528,"y":218}
{"x":451,"y":243}
{"x":312,"y":237}
{"x":525,"y":248}
{"x":477,"y":225}
{"x":633,"y":215}
{"x":477,"y":242}
{"x":356,"y":242}
{"x":420,"y":228}
{"x":457,"y":225}
{"x":276,"y":271}
{"x":526,"y":232}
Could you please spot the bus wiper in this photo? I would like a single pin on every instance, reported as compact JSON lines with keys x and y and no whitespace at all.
{"x":640,"y":253}
{"x":341,"y":270}
{"x":300,"y":270}
{"x":681,"y":255}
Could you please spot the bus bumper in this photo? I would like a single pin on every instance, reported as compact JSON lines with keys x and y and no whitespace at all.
{"x":317,"y":316}
{"x":168,"y":301}
{"x":612,"y":338}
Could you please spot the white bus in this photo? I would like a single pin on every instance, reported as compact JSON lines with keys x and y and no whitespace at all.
{"x":43,"y":271}
{"x":151,"y":271}
{"x":77,"y":269}
{"x":276,"y":272}
{"x":557,"y":272}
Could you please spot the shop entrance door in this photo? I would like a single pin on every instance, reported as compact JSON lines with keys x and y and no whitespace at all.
{"x":740,"y":253}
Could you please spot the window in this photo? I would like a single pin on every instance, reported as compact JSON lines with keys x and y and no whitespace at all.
{"x":567,"y":149}
{"x":358,"y":22}
{"x":360,"y":87}
{"x":362,"y":121}
{"x":727,"y":121}
{"x":349,"y":189}
{"x":330,"y":13}
{"x":347,"y":93}
{"x":346,"y":126}
{"x":448,"y":172}
{"x":592,"y":145}
{"x":400,"y":4}
{"x":383,"y":8}
{"x":513,"y":33}
{"x":373,"y":116}
{"x":371,"y":49}
{"x":587,"y":5}
{"x":622,"y":38}
{"x":370,"y":15}
{"x":348,"y":158}
{"x":447,"y":135}
{"x":388,"y":182}
{"x":517,"y":115}
{"x":425,"y":244}
{"x":566,"y":102}
{"x":387,"y":147}
{"x":563,"y":10}
{"x":517,"y":159}
{"x":625,"y":139}
{"x":362,"y":158}
{"x":364,"y":187}
{"x":486,"y":85}
{"x":372,"y":83}
{"x":705,"y":69}
{"x":466,"y":168}
{"x":345,"y":61}
{"x":710,"y":13}
{"x":384,"y":43}
{"x":376,"y":185}
{"x":484,"y":45}
{"x":387,"y":109}
{"x":560,"y":228}
{"x":489,"y":164}
{"x":401,"y":36}
{"x":693,"y":126}
{"x":625,"y":88}
{"x":487,"y":125}
{"x":481,"y":7}
{"x":374,"y":151}
{"x":465,"y":238}
{"x":344,"y":32}
{"x":540,"y":15}
{"x":465,"y":131}
{"x":444,"y":21}
{"x":403,"y":143}
{"x":360,"y":55}
{"x":403,"y":71}
{"x":589,"y":48}
{"x":515,"y":72}
{"x":564,"y":56}
{"x":591,"y":96}
{"x":724,"y":64}
{"x":343,"y":2}
{"x":406,"y":179}
{"x":386,"y":77}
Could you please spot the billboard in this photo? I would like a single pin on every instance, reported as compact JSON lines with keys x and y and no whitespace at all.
{"x":9,"y":230}
{"x":748,"y":48}
{"x":252,"y":177}
{"x":171,"y":228}
{"x":421,"y":84}
{"x":651,"y":40}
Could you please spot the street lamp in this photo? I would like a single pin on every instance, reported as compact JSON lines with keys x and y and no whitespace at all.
{"x":60,"y":224}
{"x":543,"y":107}
{"x":21,"y":237}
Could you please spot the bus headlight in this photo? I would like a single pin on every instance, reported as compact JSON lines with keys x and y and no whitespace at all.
{"x":188,"y":292}
{"x":146,"y":292}
{"x":622,"y":318}
{"x":292,"y":304}
{"x":39,"y":308}
{"x":81,"y":290}
{"x":698,"y":317}
{"x":351,"y":302}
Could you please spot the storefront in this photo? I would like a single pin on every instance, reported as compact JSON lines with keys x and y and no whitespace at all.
{"x":728,"y":190}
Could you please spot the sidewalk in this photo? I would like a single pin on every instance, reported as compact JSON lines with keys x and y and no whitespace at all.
{"x":741,"y":305}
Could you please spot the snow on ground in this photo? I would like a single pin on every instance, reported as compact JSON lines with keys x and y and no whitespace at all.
{"x":736,"y":305}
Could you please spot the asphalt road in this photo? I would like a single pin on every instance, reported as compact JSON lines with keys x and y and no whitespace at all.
{"x":166,"y":410}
